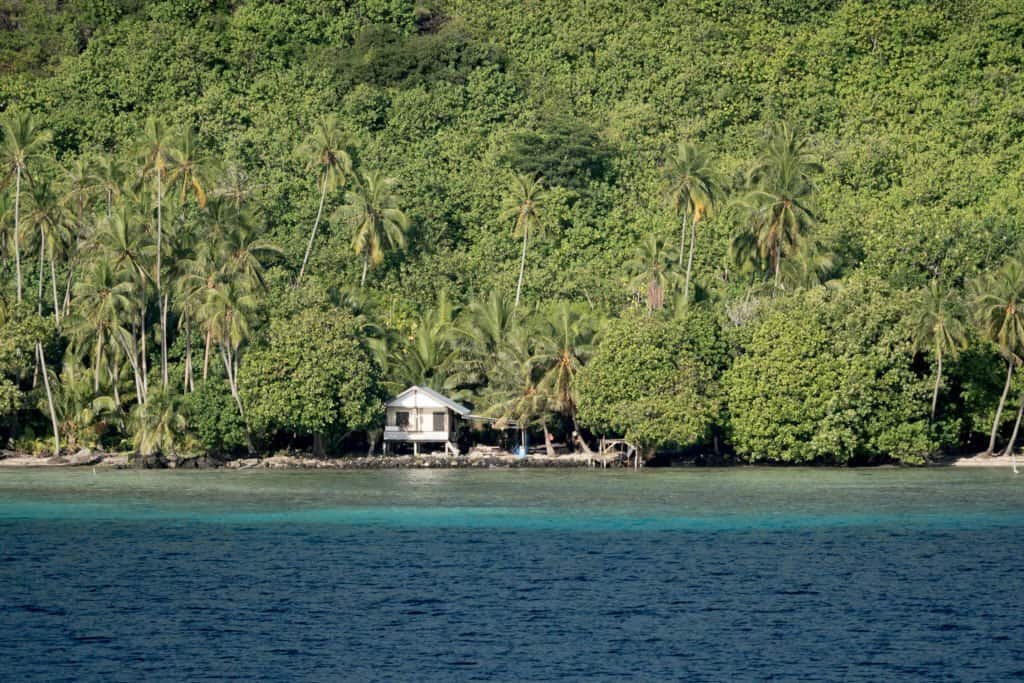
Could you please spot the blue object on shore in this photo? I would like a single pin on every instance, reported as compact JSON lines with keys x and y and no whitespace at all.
{"x":520,"y":451}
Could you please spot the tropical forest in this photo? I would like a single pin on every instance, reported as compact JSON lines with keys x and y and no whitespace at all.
{"x":756,"y":232}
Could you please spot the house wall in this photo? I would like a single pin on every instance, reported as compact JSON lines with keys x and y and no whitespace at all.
{"x":421,"y":425}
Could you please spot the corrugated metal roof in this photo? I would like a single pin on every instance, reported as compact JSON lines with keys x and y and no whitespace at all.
{"x":439,"y":398}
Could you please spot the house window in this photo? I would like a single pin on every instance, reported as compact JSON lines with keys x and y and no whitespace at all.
{"x":402,"y":419}
{"x":438,"y":422}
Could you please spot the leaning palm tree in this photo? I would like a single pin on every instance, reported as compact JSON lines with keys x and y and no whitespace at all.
{"x":23,"y":140}
{"x":371,"y":210}
{"x":692,"y":188}
{"x":938,"y":324}
{"x":524,"y":204}
{"x":651,"y":268}
{"x":325,"y":149}
{"x":999,"y":310}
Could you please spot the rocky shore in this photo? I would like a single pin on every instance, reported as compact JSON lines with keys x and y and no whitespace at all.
{"x":298,"y":461}
{"x":476,"y":459}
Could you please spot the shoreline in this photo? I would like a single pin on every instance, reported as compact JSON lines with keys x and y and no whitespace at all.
{"x":478,"y":460}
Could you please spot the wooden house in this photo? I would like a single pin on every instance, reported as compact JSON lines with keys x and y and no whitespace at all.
{"x":420,"y":415}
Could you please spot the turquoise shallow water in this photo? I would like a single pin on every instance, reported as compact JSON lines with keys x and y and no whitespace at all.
{"x":512,"y":575}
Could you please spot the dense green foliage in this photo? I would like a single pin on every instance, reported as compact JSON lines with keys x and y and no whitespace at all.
{"x":314,"y":375}
{"x":200,"y":196}
{"x":655,"y":381}
{"x":826,"y":375}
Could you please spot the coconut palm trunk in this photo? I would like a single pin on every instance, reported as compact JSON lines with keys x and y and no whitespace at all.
{"x":312,"y":234}
{"x":1010,"y":447}
{"x":522,"y":267}
{"x":53,"y":285}
{"x":42,"y":260}
{"x":938,"y":380}
{"x":999,"y":410}
{"x":366,"y":266}
{"x":189,"y":382}
{"x":548,"y":447}
{"x":682,"y":240}
{"x":689,"y":260}
{"x":231,"y":367}
{"x":49,"y":399}
{"x":17,"y":228}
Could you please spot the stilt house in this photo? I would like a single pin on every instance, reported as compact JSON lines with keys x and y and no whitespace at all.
{"x":420,"y":415}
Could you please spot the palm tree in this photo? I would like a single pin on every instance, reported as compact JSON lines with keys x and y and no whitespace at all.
{"x":188,"y":167}
{"x":938,"y":324}
{"x":47,"y":215}
{"x":693,"y":188}
{"x":485,"y":327}
{"x":102,"y":299}
{"x":517,"y":395}
{"x":129,"y":251}
{"x":371,"y":210}
{"x":780,"y":201}
{"x":651,"y":268}
{"x":155,"y":153}
{"x":228,"y":312}
{"x":234,"y":187}
{"x":524,"y":204}
{"x":23,"y":141}
{"x":158,"y":424}
{"x":41,"y":358}
{"x":564,"y":342}
{"x":428,"y":356}
{"x":110,"y":179}
{"x":80,"y":187}
{"x":808,"y":266}
{"x":999,"y":309}
{"x":325,"y":150}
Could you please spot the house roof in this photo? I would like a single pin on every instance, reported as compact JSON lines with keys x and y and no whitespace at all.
{"x":417,"y":396}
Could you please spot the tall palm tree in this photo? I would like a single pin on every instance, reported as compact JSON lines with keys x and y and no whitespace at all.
{"x":651,"y":268}
{"x":371,"y":210}
{"x":564,"y":342}
{"x":23,"y":140}
{"x":780,"y":199}
{"x":155,"y":154}
{"x":524,"y":204}
{"x":693,"y":189}
{"x":129,"y":250}
{"x":325,"y":148}
{"x":999,"y":309}
{"x":938,"y":324}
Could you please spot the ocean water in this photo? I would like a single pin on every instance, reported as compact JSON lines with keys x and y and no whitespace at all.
{"x":697,"y":575}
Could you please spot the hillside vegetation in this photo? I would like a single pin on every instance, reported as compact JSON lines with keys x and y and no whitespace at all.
{"x":788,"y":231}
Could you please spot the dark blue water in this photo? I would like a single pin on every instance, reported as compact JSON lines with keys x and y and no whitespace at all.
{"x":728,"y":575}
